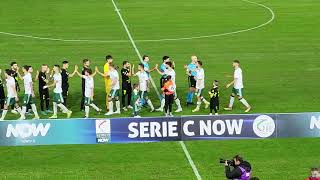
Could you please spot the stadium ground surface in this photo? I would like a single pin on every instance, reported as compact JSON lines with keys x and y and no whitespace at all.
{"x":280,"y":64}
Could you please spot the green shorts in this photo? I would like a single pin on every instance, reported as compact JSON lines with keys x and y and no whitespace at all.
{"x":10,"y":101}
{"x":143,"y":94}
{"x":58,"y":98}
{"x":238,"y":92}
{"x":27,"y":99}
{"x":114,"y":93}
{"x":199,"y":92}
{"x":88,"y":101}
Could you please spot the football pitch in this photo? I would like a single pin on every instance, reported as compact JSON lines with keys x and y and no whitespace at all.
{"x":276,"y":41}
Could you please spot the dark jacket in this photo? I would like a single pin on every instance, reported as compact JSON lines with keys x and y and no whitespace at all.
{"x":236,"y":172}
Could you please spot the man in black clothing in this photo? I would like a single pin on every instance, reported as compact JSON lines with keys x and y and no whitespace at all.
{"x":241,"y":169}
{"x":126,"y":85}
{"x":65,"y":80}
{"x":86,"y":65}
{"x":2,"y":93}
{"x":42,"y":78}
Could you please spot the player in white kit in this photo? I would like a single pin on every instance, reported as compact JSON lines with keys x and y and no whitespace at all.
{"x":57,"y":94}
{"x":28,"y":92}
{"x":237,"y":89}
{"x":169,"y":71}
{"x":200,"y":87}
{"x":12,"y":97}
{"x":114,"y":95}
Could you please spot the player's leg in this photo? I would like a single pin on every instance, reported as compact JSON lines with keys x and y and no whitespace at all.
{"x":26,"y":100}
{"x":65,"y":96}
{"x":129,"y":92}
{"x":207,"y":104}
{"x":110,"y":103}
{"x":63,"y":107}
{"x":86,"y":107}
{"x":243,"y":101}
{"x":34,"y":108}
{"x":124,"y":97}
{"x":146,"y":97}
{"x":231,"y":101}
{"x":166,"y":106}
{"x":199,"y":102}
{"x":95,"y":107}
{"x":47,"y":100}
{"x":42,"y":101}
{"x":171,"y":97}
{"x":5,"y":108}
{"x":117,"y":101}
{"x":177,"y":101}
{"x":162,"y":103}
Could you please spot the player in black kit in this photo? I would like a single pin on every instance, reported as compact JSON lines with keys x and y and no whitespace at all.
{"x":42,"y":78}
{"x":65,"y":80}
{"x":2,"y":93}
{"x":126,"y":85}
{"x":214,"y":98}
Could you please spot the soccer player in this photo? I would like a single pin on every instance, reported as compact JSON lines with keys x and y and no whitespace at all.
{"x":192,"y":73}
{"x":200,"y":87}
{"x":15,"y":68}
{"x":135,"y":100}
{"x":237,"y":87}
{"x":2,"y":93}
{"x":89,"y":91}
{"x":28,"y":92}
{"x":65,"y":81}
{"x":107,"y":80}
{"x":57,"y":93}
{"x":12,"y":96}
{"x":214,"y":98}
{"x":126,"y":85}
{"x":143,"y":84}
{"x":86,"y":65}
{"x":169,"y":71}
{"x":168,"y":89}
{"x":42,"y":78}
{"x":115,"y":89}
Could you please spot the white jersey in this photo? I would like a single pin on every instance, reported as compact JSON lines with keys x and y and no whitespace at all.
{"x":58,"y":79}
{"x":114,"y":77}
{"x":200,"y":78}
{"x":89,"y":85}
{"x":27,"y":80}
{"x":238,"y":84}
{"x":172,"y":73}
{"x":11,"y":85}
{"x":143,"y":80}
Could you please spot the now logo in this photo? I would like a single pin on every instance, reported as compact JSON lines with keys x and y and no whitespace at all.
{"x":27,"y":130}
{"x":315,"y":122}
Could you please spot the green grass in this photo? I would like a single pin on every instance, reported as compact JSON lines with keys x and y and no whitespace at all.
{"x":280,"y":64}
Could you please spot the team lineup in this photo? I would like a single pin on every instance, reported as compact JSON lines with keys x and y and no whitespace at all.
{"x":133,"y":97}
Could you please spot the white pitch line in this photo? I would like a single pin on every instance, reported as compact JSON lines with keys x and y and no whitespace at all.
{"x":185,"y":150}
{"x":134,"y":44}
{"x":154,"y":40}
{"x":193,"y":166}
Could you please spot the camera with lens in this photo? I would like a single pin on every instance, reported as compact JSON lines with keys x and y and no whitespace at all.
{"x":229,"y":162}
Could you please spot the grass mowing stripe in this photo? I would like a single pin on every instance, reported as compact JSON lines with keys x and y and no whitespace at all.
{"x":134,"y":44}
{"x":185,"y":150}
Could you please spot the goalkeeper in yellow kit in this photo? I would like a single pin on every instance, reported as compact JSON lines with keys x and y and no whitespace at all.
{"x":107,"y":80}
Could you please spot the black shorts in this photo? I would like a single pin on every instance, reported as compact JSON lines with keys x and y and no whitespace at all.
{"x":126,"y":86}
{"x":192,"y":81}
{"x":44,"y":93}
{"x":65,"y":93}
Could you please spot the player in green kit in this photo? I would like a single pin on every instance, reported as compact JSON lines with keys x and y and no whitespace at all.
{"x":57,"y":94}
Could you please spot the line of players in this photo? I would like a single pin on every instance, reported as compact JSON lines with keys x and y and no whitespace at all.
{"x":133,"y":97}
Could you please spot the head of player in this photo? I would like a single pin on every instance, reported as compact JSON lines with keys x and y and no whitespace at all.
{"x":88,"y":72}
{"x":14,"y":65}
{"x":8,"y":73}
{"x":215,"y":83}
{"x":65,"y":64}
{"x":86,"y":63}
{"x":126,"y":64}
{"x":165,"y":59}
{"x":27,"y":69}
{"x":44,"y":68}
{"x":112,"y":67}
{"x":236,"y":64}
{"x":169,"y":65}
{"x":141,"y":67}
{"x":109,"y":59}
{"x":199,"y":64}
{"x":145,"y":58}
{"x":194,"y":59}
{"x":56,"y":69}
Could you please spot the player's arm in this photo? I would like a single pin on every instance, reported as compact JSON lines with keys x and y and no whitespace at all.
{"x":37,"y":76}
{"x":19,"y":75}
{"x":231,"y":83}
{"x":51,"y":85}
{"x":97,"y":71}
{"x":161,"y":73}
{"x":130,"y":71}
{"x":32,"y":91}
{"x":74,"y":72}
{"x":133,"y":74}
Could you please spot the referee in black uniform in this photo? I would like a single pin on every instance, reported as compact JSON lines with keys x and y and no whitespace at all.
{"x":65,"y":81}
{"x":126,"y":85}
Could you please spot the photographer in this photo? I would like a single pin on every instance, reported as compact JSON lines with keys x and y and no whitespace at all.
{"x":241,"y":169}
